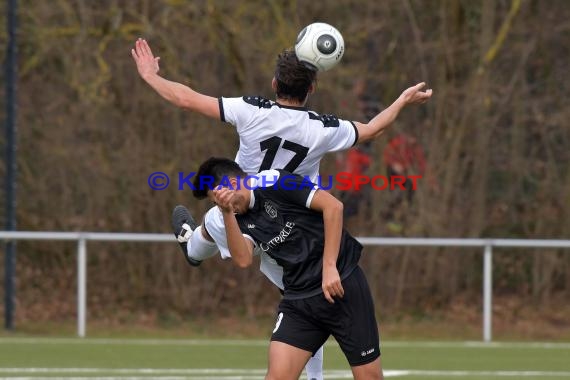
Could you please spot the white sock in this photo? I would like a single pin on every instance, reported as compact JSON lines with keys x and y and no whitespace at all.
{"x":199,"y":248}
{"x":314,"y":367}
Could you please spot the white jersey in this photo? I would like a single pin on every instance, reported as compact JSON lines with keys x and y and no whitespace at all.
{"x":274,"y":136}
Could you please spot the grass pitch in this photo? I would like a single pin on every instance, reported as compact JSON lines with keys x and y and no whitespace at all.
{"x":171,"y":359}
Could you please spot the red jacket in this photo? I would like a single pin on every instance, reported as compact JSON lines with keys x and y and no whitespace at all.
{"x":406,"y":153}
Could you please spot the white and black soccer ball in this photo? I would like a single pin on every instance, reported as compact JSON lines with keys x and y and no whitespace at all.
{"x":320,"y":45}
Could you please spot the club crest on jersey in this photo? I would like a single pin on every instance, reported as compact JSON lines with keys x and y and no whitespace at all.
{"x":270,"y":210}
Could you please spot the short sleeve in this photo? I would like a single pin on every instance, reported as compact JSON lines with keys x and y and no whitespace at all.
{"x":341,"y":137}
{"x":235,"y":111}
{"x":295,"y":188}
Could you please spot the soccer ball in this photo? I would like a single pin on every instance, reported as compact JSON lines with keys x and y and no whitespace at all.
{"x":319,"y":45}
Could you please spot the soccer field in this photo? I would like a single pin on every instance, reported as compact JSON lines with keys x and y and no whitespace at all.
{"x":122,"y":359}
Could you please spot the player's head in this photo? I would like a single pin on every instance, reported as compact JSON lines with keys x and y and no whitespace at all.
{"x":213,"y":172}
{"x":293,"y":80}
{"x":222,"y":172}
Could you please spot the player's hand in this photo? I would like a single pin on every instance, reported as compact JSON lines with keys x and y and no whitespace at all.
{"x":147,"y":63}
{"x":332,"y":287}
{"x":414,"y":95}
{"x":223,"y":198}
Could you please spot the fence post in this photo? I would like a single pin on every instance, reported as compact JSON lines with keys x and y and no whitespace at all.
{"x":11,"y":164}
{"x":487,"y":292}
{"x":81,"y":285}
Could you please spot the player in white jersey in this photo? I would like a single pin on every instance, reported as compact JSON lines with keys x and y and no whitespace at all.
{"x":273,"y":134}
{"x":280,"y":134}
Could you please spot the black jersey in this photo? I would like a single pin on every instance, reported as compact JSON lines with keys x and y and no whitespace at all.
{"x":282,"y":225}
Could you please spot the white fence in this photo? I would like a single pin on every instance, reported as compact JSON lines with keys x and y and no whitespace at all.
{"x":487,"y":244}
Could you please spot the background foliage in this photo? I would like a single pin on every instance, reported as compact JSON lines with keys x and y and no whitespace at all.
{"x":496,"y":135}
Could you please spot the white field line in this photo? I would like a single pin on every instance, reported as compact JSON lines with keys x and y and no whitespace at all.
{"x":240,"y":374}
{"x":259,"y":377}
{"x":140,"y":371}
{"x":138,"y":342}
{"x":253,"y":343}
{"x":563,"y":374}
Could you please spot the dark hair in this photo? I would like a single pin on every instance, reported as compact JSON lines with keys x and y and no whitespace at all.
{"x":293,"y":77}
{"x":211,"y":173}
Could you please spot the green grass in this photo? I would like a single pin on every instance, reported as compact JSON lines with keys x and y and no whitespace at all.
{"x":246,"y":359}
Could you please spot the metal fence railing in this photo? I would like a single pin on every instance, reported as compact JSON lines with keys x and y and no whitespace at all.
{"x":487,"y":244}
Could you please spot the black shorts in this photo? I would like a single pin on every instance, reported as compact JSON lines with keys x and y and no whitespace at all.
{"x":307,"y":323}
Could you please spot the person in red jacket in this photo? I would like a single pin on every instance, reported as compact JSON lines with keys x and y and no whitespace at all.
{"x":403,"y":156}
{"x":355,"y":161}
{"x":359,"y":158}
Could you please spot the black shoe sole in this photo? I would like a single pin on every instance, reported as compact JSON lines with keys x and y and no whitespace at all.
{"x":181,"y":215}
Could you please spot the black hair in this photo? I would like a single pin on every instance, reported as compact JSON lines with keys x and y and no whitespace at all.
{"x":211,"y":173}
{"x":293,"y":77}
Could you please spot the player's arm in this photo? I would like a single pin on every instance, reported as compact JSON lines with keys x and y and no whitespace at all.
{"x":176,"y":93}
{"x":241,"y":249}
{"x":384,"y":119}
{"x":295,"y":189}
{"x":332,"y":216}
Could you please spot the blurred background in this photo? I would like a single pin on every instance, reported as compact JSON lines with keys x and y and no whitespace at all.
{"x":492,"y":145}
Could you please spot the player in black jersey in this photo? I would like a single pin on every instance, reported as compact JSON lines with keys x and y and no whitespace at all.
{"x":300,"y":226}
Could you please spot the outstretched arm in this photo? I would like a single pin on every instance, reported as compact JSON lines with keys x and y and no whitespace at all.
{"x":176,"y":93}
{"x":332,"y":217}
{"x":380,"y":122}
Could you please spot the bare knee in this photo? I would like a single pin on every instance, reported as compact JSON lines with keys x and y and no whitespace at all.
{"x":285,"y":361}
{"x":370,"y":371}
{"x":277,"y":376}
{"x":281,"y":372}
{"x":368,"y":375}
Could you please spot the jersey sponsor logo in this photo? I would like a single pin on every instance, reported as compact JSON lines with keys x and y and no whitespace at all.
{"x":286,"y":231}
{"x":367,"y":352}
{"x":270,"y":209}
